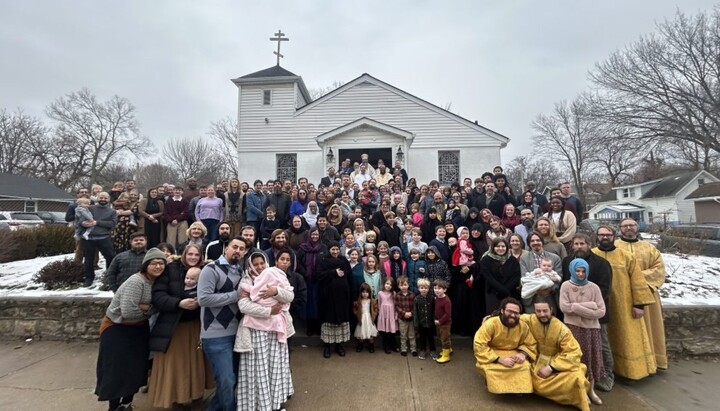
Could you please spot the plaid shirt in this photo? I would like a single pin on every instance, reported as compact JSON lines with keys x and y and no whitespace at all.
{"x":404,"y":304}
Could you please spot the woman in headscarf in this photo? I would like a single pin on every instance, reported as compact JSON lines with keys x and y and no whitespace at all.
{"x":151,"y":209}
{"x":308,"y":259}
{"x":122,"y":363}
{"x":437,"y":268}
{"x":335,"y":282}
{"x":311,"y":214}
{"x":264,"y":379}
{"x":335,"y":218}
{"x":297,"y":232}
{"x":528,"y":201}
{"x":180,"y":373}
{"x":501,"y":272}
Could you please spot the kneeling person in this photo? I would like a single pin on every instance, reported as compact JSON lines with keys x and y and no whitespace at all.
{"x":504,"y":348}
{"x":558,"y":374}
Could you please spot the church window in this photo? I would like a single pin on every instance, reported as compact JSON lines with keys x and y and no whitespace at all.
{"x":30,"y":206}
{"x":267,"y":97}
{"x":448,"y":167}
{"x":286,"y":166}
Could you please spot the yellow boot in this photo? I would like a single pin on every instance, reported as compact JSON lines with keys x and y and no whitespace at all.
{"x":444,"y":356}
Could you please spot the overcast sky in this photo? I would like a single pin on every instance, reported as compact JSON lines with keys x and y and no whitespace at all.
{"x":498,"y":62}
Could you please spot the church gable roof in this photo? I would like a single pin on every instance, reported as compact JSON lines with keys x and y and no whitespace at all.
{"x":367,"y":78}
{"x":273,"y":75}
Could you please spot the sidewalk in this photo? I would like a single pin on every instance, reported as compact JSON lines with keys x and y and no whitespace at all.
{"x":61,"y":376}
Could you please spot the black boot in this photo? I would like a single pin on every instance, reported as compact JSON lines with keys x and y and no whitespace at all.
{"x":340,"y":350}
{"x":359,"y":347}
{"x":328,"y":351}
{"x":372,"y":347}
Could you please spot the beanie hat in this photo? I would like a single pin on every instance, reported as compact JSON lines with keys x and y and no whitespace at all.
{"x":152,"y":254}
{"x":573,"y":266}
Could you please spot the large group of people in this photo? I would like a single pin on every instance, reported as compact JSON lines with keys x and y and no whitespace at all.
{"x":366,"y":254}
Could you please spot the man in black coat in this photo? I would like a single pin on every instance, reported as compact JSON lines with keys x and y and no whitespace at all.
{"x":281,"y":201}
{"x":216,"y":248}
{"x":491,"y":200}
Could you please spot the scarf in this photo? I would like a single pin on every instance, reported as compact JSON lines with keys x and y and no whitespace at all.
{"x":152,"y":206}
{"x":501,"y":258}
{"x":311,"y":251}
{"x":234,"y":198}
{"x":574,"y":265}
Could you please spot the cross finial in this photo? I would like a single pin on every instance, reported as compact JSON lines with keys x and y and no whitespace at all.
{"x":279,"y":38}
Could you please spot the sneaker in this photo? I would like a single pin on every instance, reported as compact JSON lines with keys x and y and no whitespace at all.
{"x":421,"y":356}
{"x":433,"y":355}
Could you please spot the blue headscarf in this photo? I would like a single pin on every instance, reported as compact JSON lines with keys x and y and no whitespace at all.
{"x":574,"y":265}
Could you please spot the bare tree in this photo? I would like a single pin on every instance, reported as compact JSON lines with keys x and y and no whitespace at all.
{"x":225,"y":133}
{"x":316,"y":93}
{"x":19,"y":134}
{"x":94,"y":134}
{"x":154,"y":175}
{"x":666,"y":86}
{"x":196,"y":157}
{"x":568,"y":135}
{"x":538,"y":169}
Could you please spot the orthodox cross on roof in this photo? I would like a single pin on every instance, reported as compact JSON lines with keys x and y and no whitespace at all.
{"x":279,"y":38}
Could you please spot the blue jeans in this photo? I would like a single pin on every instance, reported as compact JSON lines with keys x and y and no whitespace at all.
{"x":219,"y":351}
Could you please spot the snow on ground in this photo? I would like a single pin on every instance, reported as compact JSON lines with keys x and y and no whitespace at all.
{"x":18,"y":279}
{"x":691,"y":280}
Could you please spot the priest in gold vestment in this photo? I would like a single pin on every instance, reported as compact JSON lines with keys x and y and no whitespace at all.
{"x":504,"y":349}
{"x":629,"y":294}
{"x":651,"y":264}
{"x":558,"y":373}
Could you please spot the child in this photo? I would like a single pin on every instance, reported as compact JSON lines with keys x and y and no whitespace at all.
{"x":395,"y":266}
{"x":423,"y":319}
{"x":417,"y":241}
{"x":383,"y":254}
{"x":191,"y":282}
{"x":415,"y":269}
{"x":267,"y":226}
{"x":366,"y":311}
{"x":371,"y":274}
{"x":417,"y":216}
{"x":407,"y":232}
{"x":541,"y":278}
{"x":357,"y":269}
{"x":387,"y":318}
{"x":581,"y":302}
{"x":443,"y":317}
{"x":463,"y":254}
{"x":371,"y":238}
{"x":281,"y":324}
{"x":82,"y":214}
{"x":404,"y":308}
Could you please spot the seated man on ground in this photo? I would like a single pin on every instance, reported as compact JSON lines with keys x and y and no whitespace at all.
{"x":504,"y":348}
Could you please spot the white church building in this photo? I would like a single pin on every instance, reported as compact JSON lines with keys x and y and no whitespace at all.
{"x":283,"y":133}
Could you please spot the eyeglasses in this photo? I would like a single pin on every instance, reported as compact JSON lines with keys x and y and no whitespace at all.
{"x":510,"y":312}
{"x":604,"y":235}
{"x":628,"y":225}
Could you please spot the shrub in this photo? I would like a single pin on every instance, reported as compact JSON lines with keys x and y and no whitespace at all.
{"x":24,"y":244}
{"x":61,"y":274}
{"x":54,"y":239}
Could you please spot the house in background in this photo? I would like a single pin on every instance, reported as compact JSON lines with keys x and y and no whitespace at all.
{"x":707,"y":203}
{"x":658,"y":201}
{"x":285,"y":134}
{"x":21,"y":193}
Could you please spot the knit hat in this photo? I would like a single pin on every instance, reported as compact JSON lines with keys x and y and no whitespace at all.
{"x":152,"y":254}
{"x":574,"y":265}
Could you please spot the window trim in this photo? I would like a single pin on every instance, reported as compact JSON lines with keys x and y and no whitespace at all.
{"x":267,"y":93}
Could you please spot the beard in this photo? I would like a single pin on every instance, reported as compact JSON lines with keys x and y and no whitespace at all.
{"x":103,"y":202}
{"x":582,"y":254}
{"x":509,"y":322}
{"x":224,"y":236}
{"x":138,"y":248}
{"x":605,"y":243}
{"x":528,"y":224}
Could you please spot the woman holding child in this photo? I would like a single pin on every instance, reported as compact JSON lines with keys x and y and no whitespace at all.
{"x":264,"y":380}
{"x":179,"y":373}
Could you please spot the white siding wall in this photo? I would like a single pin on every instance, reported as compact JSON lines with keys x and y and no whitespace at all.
{"x":255,"y":133}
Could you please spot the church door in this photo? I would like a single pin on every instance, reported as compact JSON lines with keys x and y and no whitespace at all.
{"x":374,"y":154}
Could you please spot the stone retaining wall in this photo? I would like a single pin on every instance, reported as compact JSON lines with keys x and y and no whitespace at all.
{"x":691,"y":330}
{"x":52,"y":318}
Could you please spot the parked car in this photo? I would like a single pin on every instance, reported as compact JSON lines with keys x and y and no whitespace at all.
{"x":702,"y":239}
{"x":18,"y":219}
{"x":52,"y":217}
